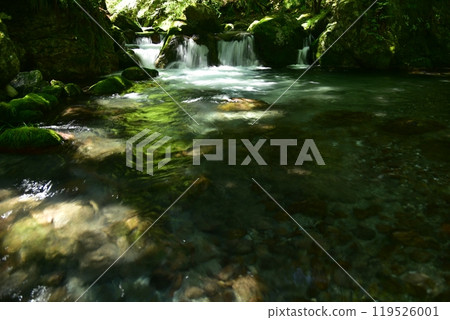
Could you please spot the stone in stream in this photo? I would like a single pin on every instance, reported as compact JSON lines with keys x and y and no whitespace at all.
{"x":243,"y":104}
{"x":111,"y":85}
{"x":247,"y":289}
{"x":29,"y":139}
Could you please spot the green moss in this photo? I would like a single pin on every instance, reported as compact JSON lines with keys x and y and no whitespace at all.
{"x":111,"y":85}
{"x":34,"y":101}
{"x":28,"y":138}
{"x":55,"y":91}
{"x":73,"y":90}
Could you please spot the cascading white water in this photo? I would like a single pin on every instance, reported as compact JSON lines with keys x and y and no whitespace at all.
{"x":192,"y":55}
{"x":302,"y":58}
{"x":237,"y":52}
{"x":147,"y":51}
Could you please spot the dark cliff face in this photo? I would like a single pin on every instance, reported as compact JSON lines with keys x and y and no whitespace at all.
{"x":60,"y":40}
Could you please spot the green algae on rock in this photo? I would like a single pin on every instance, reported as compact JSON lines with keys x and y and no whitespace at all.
{"x":28,"y":139}
{"x":111,"y":85}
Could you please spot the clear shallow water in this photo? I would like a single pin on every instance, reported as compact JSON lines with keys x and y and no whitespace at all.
{"x":379,"y":206}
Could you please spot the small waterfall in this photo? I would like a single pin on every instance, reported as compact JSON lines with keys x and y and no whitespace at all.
{"x":237,"y":52}
{"x":147,"y":51}
{"x":302,"y":58}
{"x":192,"y":54}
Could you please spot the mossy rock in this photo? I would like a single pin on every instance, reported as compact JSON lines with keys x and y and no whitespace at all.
{"x":28,"y":81}
{"x":277,"y":39}
{"x":28,"y":139}
{"x":55,"y":90}
{"x":111,"y":85}
{"x":42,"y":102}
{"x":73,"y":90}
{"x":138,"y":74}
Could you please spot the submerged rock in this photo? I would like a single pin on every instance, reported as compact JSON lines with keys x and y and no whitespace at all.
{"x":111,"y":85}
{"x":247,"y":289}
{"x":28,"y":139}
{"x":243,"y":104}
{"x":138,"y":74}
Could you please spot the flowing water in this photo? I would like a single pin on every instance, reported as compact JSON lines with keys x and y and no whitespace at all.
{"x":379,"y":206}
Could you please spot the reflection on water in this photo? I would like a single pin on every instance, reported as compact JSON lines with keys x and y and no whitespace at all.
{"x":379,"y":206}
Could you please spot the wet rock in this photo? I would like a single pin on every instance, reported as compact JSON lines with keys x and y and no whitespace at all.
{"x":282,"y":34}
{"x":98,"y":148}
{"x":138,"y":74}
{"x":407,"y":126}
{"x":111,"y":85}
{"x":63,"y":214}
{"x":247,"y":289}
{"x":227,"y":272}
{"x":100,"y":258}
{"x":419,"y":284}
{"x":193,"y":293}
{"x":243,"y":104}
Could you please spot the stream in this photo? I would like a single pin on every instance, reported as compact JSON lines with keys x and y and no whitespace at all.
{"x":379,"y":206}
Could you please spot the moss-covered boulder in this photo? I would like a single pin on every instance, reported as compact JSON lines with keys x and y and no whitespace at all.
{"x":28,"y":81}
{"x":60,"y":40}
{"x":168,"y":53}
{"x":42,"y":102}
{"x":111,"y":85}
{"x":28,"y":139}
{"x":138,"y":74}
{"x":277,"y":39}
{"x":368,"y":44}
{"x":125,"y":22}
{"x":73,"y":90}
{"x":57,"y":91}
{"x":202,"y":19}
{"x":9,"y":62}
